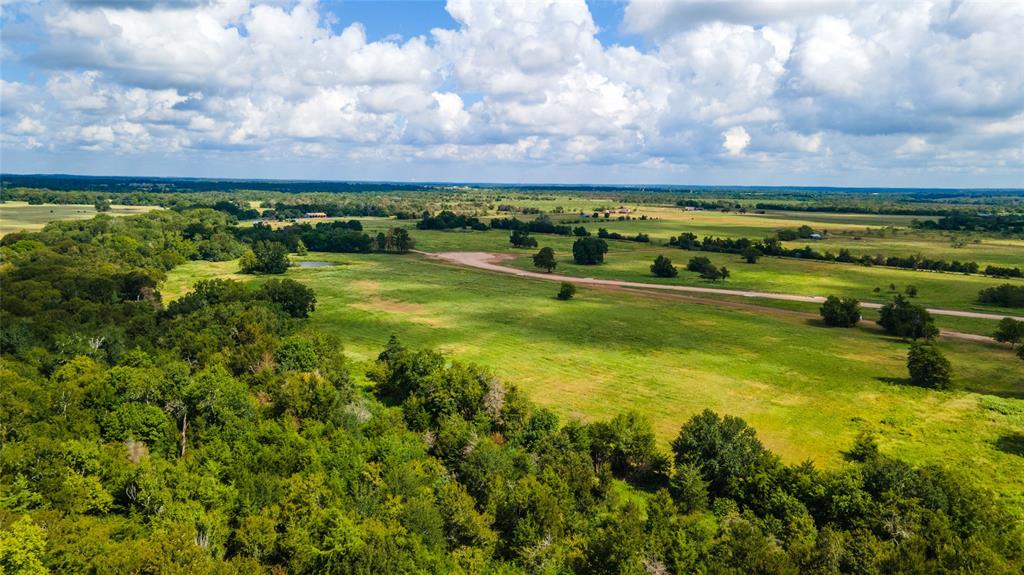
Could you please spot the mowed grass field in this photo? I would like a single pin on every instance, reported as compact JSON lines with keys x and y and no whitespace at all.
{"x":807,"y":389}
{"x":21,"y":216}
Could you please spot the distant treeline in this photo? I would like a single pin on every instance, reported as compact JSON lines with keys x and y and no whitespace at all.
{"x":605,"y":234}
{"x":858,"y":209}
{"x":773,"y":247}
{"x":114,"y":184}
{"x":1011,"y":224}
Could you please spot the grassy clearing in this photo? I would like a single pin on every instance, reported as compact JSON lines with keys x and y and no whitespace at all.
{"x":20,"y":216}
{"x":806,"y":389}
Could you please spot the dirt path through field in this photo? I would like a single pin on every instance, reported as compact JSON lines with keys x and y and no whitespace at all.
{"x":491,"y":262}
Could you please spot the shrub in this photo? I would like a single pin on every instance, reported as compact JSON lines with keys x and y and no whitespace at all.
{"x":567,"y":291}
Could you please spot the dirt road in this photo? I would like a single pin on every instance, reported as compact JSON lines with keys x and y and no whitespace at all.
{"x":491,"y":262}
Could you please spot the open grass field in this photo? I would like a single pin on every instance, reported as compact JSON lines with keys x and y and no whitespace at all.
{"x":21,"y":216}
{"x":631,"y":261}
{"x":808,"y":390}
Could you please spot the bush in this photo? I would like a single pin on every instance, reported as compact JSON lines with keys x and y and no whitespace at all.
{"x":663,"y":268}
{"x":567,"y":291}
{"x":928,"y":367}
{"x":589,"y":251}
{"x":840,"y":312}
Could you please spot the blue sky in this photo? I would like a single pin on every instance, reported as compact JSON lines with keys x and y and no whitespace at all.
{"x":686,"y":91}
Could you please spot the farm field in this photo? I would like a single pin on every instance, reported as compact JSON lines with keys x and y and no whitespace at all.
{"x":21,"y":216}
{"x":807,"y":389}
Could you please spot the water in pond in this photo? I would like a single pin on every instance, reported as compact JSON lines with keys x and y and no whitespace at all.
{"x":316,"y":264}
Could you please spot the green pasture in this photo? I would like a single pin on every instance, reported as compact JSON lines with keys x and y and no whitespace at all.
{"x":21,"y":216}
{"x":808,"y":390}
{"x":788,"y":275}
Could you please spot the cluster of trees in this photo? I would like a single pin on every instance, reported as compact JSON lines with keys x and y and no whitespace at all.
{"x":1006,"y":295}
{"x":239,"y":209}
{"x":907,"y":320}
{"x":336,"y":236}
{"x":541,"y":224}
{"x":447,"y":220}
{"x":840,"y":311}
{"x":788,"y":234}
{"x":774,"y":247}
{"x":521,"y":239}
{"x":605,"y":234}
{"x":707,"y":270}
{"x":265,"y":258}
{"x":589,"y":251}
{"x":220,"y":434}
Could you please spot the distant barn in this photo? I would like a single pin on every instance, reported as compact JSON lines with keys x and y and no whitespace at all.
{"x":316,"y":215}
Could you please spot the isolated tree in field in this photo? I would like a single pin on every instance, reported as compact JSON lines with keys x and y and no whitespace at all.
{"x":663,"y":268}
{"x":904,"y":319}
{"x":911,"y":291}
{"x":1009,"y":331}
{"x":751,"y":254}
{"x":401,"y":241}
{"x":840,"y":312}
{"x":265,"y":257}
{"x":102,"y":205}
{"x":545,"y":259}
{"x":522,"y":239}
{"x":892,"y":287}
{"x":877,"y":290}
{"x":928,"y":367}
{"x":589,"y":251}
{"x":566,"y":291}
{"x":580,"y":232}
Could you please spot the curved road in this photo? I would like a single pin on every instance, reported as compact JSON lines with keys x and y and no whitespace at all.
{"x":488,"y":261}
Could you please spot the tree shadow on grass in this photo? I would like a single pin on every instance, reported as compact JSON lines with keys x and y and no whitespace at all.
{"x":895,"y":380}
{"x":1012,"y":443}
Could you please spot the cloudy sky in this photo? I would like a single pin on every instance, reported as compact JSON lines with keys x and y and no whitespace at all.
{"x":802,"y":92}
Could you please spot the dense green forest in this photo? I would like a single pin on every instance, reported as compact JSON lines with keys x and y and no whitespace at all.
{"x":219,"y":434}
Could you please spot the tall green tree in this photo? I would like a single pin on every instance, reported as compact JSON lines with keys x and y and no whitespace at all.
{"x":928,"y":367}
{"x":545,"y":259}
